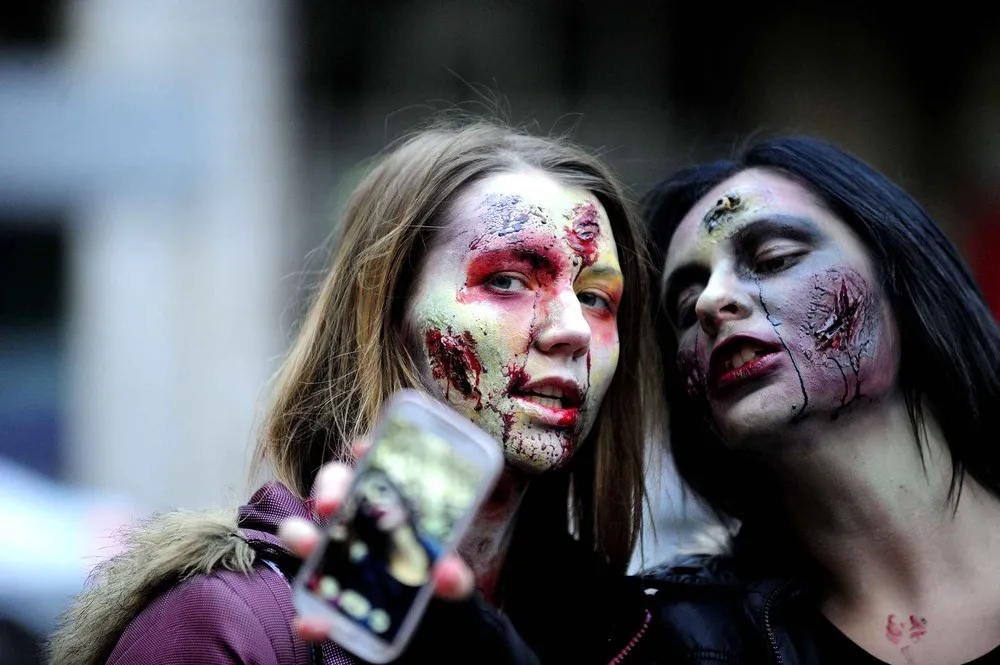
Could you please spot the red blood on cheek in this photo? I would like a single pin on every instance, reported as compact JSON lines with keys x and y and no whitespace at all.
{"x":845,"y":311}
{"x":453,"y":359}
{"x":517,"y":378}
{"x":842,"y":332}
{"x":585,"y":232}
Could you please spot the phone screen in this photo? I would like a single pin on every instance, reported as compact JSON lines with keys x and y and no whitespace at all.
{"x":411,"y":495}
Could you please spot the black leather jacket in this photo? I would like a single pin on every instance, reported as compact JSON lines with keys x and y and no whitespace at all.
{"x":695,"y":611}
{"x":710,"y":609}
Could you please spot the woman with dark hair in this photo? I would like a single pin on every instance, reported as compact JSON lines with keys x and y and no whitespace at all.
{"x":835,"y":371}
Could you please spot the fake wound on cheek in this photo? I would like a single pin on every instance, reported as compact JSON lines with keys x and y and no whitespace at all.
{"x":841,"y":328}
{"x":454,"y":360}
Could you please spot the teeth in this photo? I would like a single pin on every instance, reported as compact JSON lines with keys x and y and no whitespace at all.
{"x":742,"y":356}
{"x":551,"y":402}
{"x":549,"y":391}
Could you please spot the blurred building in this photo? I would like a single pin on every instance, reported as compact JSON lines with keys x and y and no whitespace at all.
{"x":167,"y":165}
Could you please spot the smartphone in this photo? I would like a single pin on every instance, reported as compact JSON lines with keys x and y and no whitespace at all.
{"x":414,"y":494}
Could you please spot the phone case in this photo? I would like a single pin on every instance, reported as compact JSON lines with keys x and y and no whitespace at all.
{"x":414,"y":495}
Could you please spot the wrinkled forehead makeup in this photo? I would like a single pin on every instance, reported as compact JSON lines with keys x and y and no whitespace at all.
{"x":506,"y":214}
{"x":494,"y":219}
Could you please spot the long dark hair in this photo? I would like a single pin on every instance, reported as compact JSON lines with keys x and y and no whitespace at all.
{"x":365,"y":527}
{"x":949,"y":341}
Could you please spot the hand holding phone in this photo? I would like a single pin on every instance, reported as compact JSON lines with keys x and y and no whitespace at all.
{"x":412,"y":497}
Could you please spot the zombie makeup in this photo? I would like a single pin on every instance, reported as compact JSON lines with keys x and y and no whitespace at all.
{"x":583,"y":232}
{"x":789,"y":325}
{"x":842,"y":326}
{"x":724,"y":210}
{"x":905,"y":631}
{"x":515,"y":314}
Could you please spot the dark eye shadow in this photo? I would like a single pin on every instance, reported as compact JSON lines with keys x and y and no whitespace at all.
{"x":791,"y":227}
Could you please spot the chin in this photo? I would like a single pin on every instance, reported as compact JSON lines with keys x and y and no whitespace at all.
{"x":756,"y":417}
{"x":539,"y":449}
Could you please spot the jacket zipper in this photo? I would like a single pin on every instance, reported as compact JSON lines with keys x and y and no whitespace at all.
{"x":635,"y":640}
{"x":772,"y":637}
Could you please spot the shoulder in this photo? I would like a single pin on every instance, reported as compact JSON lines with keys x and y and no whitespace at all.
{"x":696,"y":588}
{"x":703,"y":604}
{"x":222,"y":617}
{"x":713,"y":570}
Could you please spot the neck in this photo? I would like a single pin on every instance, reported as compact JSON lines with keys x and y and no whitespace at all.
{"x":881,"y":519}
{"x":408,"y":559}
{"x":487,"y":542}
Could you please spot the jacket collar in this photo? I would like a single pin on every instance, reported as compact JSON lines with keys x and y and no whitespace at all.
{"x":259,"y":519}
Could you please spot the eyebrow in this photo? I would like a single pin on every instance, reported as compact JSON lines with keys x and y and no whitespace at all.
{"x":604,"y":271}
{"x":753,"y":232}
{"x":793,"y":227}
{"x":538,"y":260}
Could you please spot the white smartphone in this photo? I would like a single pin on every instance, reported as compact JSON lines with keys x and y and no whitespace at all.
{"x":414,"y":494}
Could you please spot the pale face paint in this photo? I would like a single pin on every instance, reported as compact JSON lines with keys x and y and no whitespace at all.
{"x":520,"y":298}
{"x":765,"y":261}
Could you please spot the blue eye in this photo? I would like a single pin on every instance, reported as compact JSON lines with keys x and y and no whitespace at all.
{"x":591,"y":299}
{"x":507,"y":283}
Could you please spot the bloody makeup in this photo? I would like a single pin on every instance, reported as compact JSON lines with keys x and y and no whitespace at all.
{"x":788,"y":323}
{"x":842,"y":328}
{"x":454,"y":361}
{"x":905,"y":631}
{"x":515,"y":313}
{"x":584,"y":232}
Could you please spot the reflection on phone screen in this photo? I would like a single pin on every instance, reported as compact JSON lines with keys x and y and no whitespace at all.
{"x":400,"y":516}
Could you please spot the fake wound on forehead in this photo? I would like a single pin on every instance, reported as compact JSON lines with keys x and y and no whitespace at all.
{"x":723,"y":211}
{"x":504,"y":214}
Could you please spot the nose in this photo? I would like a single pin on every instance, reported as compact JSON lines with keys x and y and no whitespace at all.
{"x":724,"y":299}
{"x":561,"y":327}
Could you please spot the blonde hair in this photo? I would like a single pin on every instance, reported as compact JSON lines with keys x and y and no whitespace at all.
{"x":351,"y":352}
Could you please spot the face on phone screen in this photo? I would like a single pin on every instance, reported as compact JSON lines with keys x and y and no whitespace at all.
{"x":411,"y":492}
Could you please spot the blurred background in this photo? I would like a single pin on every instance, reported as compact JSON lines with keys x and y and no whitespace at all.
{"x":166,"y":166}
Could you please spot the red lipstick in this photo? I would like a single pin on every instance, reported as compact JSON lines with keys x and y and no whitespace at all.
{"x":740,"y":359}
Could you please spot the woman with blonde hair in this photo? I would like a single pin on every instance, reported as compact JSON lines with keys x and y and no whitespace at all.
{"x":502,"y":273}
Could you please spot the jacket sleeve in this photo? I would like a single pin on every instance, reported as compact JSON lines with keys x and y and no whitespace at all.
{"x":203,"y":621}
{"x":466,"y":632}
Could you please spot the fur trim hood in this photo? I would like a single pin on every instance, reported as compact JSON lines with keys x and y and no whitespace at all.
{"x":159,"y":553}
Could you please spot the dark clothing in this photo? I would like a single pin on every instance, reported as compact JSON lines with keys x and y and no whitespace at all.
{"x":722,"y":609}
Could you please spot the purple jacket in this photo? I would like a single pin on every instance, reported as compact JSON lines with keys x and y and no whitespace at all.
{"x":226,"y":616}
{"x":210,"y":589}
